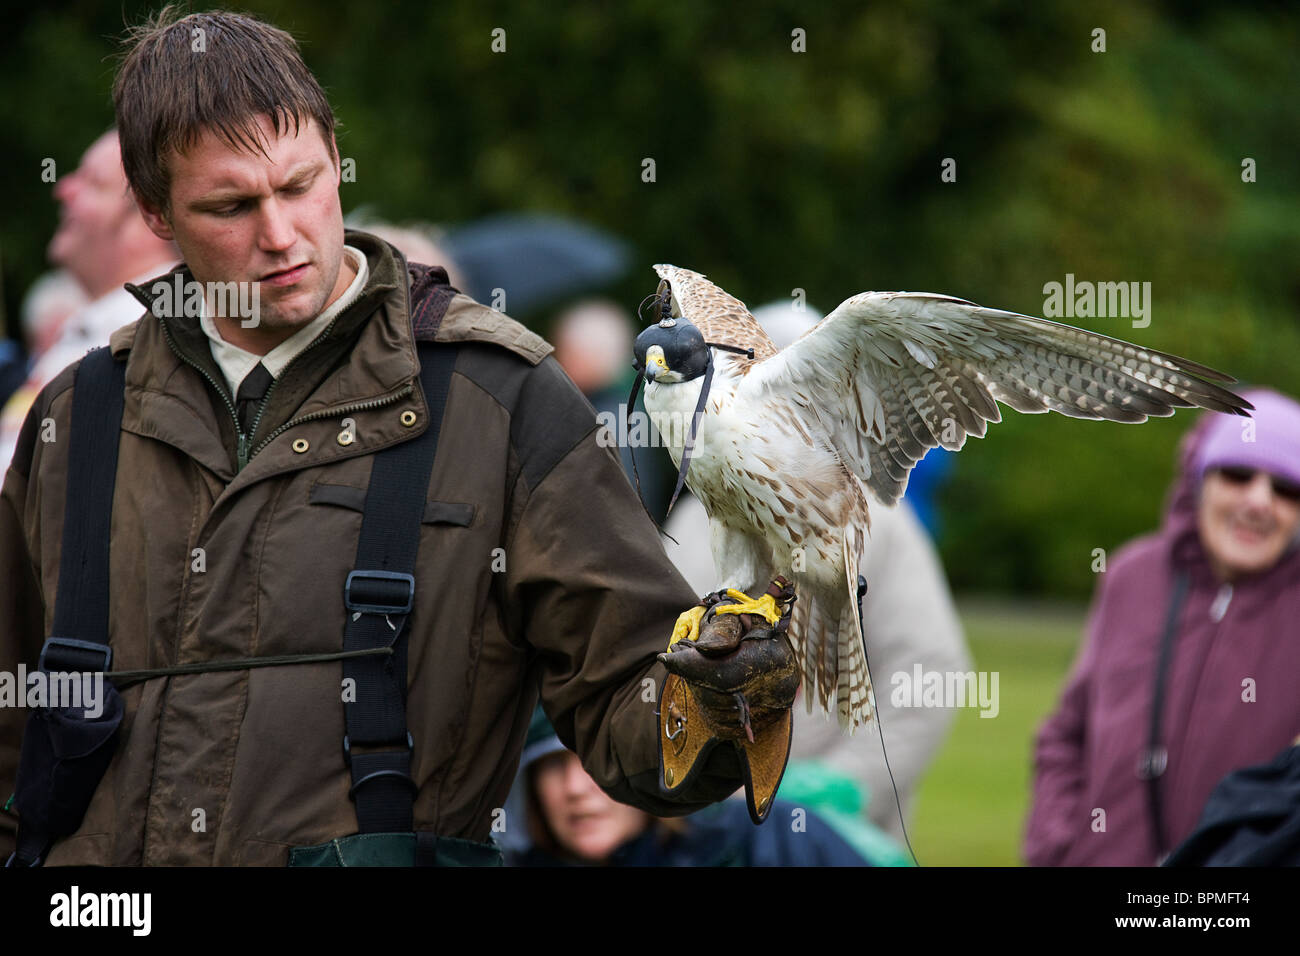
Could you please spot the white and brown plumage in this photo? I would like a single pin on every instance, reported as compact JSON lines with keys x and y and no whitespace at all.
{"x":792,"y":444}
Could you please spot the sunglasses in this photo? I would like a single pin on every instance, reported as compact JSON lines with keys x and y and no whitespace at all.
{"x":1281,"y":487}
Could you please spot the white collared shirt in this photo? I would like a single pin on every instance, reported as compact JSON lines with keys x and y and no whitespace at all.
{"x":235,"y":363}
{"x":86,"y":328}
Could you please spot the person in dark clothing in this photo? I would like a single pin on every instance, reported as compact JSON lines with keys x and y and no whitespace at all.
{"x":13,"y":368}
{"x":571,"y":822}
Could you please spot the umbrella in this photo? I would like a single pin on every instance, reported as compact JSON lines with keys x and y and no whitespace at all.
{"x":535,"y":260}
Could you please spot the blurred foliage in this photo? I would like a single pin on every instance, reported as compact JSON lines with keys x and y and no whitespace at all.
{"x":778,"y":170}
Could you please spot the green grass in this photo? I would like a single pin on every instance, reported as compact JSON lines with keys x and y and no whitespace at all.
{"x":972,"y":804}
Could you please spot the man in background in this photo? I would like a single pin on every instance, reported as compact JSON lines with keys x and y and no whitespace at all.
{"x":102,"y":242}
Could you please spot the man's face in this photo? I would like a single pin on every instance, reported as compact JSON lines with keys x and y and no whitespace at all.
{"x":585,"y":821}
{"x":240,"y":217}
{"x":93,"y":205}
{"x":1244,"y":523}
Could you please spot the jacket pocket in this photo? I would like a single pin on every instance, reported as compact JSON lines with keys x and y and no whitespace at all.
{"x":394,"y":849}
{"x":354,"y":499}
{"x":65,"y":754}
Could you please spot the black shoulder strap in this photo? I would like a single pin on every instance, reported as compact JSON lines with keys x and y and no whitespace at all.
{"x":52,"y":799}
{"x":379,"y":596}
{"x":1155,"y":757}
{"x":79,"y":641}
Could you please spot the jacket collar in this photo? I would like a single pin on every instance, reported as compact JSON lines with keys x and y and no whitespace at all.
{"x":387,"y":276}
{"x":171,"y":376}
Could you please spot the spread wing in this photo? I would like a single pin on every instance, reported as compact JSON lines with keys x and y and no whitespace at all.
{"x":719,"y":317}
{"x":889,"y":375}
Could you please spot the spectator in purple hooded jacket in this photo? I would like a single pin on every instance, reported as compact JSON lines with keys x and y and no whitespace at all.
{"x":1216,"y":594}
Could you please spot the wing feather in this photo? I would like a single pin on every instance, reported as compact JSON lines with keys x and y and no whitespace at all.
{"x":889,"y":375}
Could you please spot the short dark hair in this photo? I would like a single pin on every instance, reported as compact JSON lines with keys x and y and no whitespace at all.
{"x":218,"y":71}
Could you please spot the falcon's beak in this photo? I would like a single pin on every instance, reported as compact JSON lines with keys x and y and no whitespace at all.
{"x":655,"y":364}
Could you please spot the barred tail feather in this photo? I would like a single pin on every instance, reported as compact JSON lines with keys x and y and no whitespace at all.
{"x":813,"y":635}
{"x":826,"y":634}
{"x":854,"y":698}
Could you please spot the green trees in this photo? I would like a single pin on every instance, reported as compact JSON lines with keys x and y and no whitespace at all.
{"x":813,"y":160}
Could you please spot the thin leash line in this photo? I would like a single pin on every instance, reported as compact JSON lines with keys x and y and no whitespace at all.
{"x":880,"y":725}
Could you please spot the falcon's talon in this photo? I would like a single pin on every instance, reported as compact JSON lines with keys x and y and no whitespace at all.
{"x":687,"y":627}
{"x":765,"y":605}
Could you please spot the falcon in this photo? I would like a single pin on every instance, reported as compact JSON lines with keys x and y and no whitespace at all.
{"x":787,"y":450}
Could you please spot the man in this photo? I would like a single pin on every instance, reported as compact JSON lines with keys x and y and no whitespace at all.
{"x":1200,"y":617}
{"x":102,"y":242}
{"x":246,"y":451}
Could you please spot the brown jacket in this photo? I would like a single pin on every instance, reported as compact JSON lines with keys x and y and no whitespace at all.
{"x":537,"y":570}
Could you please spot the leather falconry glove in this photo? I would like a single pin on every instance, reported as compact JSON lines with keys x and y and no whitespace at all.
{"x":732,"y":681}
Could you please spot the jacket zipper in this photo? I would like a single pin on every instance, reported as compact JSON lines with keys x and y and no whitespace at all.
{"x":241,"y":439}
{"x":335,"y":412}
{"x":243,"y":453}
{"x":323,"y":413}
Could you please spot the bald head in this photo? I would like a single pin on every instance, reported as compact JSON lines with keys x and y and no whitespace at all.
{"x":101,"y":239}
{"x":593,"y":342}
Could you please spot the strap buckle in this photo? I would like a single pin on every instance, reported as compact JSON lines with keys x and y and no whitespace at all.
{"x":379,"y":763}
{"x":72,"y":656}
{"x":347,"y":748}
{"x":379,"y":592}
